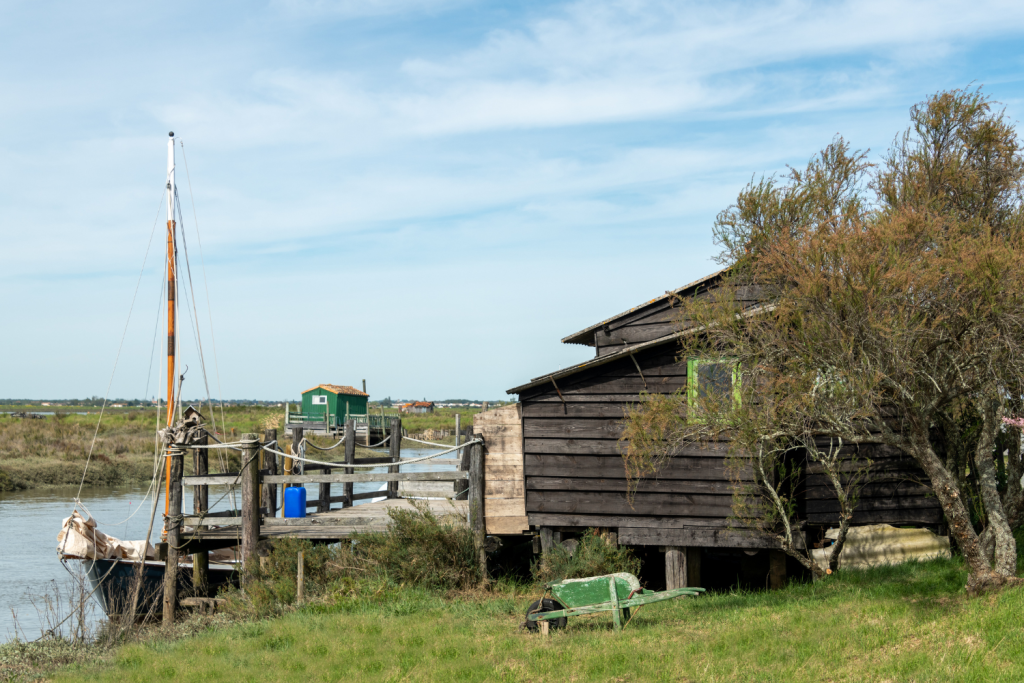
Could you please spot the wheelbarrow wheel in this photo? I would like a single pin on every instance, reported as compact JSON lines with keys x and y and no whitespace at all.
{"x":545,"y":605}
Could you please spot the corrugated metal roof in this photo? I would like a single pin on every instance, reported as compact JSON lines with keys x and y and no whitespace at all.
{"x":586,"y":337}
{"x":338,"y":389}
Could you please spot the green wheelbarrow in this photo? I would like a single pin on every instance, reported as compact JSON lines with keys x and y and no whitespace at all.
{"x":615,"y":593}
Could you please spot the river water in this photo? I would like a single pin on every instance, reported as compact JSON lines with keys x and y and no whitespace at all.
{"x":30,"y":521}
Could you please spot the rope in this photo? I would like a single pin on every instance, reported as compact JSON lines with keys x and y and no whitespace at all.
{"x":439,"y":445}
{"x":206,"y":285}
{"x":356,"y":465}
{"x":120,"y":346}
{"x":321,"y":448}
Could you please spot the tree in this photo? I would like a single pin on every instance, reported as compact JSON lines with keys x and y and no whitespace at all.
{"x":894,"y":313}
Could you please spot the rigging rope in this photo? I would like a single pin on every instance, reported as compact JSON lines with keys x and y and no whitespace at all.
{"x":206,"y":285}
{"x":120,"y":346}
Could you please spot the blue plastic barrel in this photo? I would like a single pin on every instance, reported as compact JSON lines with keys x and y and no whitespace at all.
{"x":295,"y":501}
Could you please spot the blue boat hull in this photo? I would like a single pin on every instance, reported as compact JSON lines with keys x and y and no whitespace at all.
{"x":112,"y":581}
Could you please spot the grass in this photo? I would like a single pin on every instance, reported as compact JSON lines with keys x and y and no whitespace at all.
{"x":911,"y":622}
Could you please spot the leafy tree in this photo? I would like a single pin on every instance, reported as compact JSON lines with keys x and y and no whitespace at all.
{"x":894,"y":313}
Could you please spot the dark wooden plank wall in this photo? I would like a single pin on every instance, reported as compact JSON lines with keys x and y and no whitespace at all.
{"x":895,"y":491}
{"x":573,"y":470}
{"x":658,"y":319}
{"x":574,"y":476}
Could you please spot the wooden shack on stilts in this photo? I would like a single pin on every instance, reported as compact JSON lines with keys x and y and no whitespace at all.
{"x":554,"y":467}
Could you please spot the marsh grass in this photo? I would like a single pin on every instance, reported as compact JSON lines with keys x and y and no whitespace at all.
{"x":52,"y":452}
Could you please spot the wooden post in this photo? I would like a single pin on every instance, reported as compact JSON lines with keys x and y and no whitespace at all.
{"x":350,"y":456}
{"x":297,"y":435}
{"x":250,"y":499}
{"x":395,"y":451}
{"x":173,"y":525}
{"x":268,"y":498}
{"x":776,"y":569}
{"x":693,"y":567}
{"x":201,"y":504}
{"x":300,"y":579}
{"x":547,"y":541}
{"x":675,"y":568}
{"x":476,"y":506}
{"x":460,"y":485}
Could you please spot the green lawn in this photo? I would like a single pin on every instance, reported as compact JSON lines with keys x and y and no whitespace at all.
{"x":904,"y":623}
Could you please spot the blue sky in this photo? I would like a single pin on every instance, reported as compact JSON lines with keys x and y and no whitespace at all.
{"x":427,"y":195}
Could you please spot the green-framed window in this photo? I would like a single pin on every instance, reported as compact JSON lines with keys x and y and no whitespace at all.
{"x":707,"y":375}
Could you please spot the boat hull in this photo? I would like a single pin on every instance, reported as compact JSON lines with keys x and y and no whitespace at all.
{"x":112,"y":580}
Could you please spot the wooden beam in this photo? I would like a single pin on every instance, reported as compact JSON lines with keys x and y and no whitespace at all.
{"x":173,"y":527}
{"x":350,"y":457}
{"x":476,"y":505}
{"x":200,"y":504}
{"x":365,"y":477}
{"x":395,"y":453}
{"x":250,"y":501}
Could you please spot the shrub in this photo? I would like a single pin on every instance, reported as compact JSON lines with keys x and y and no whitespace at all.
{"x":421,"y":549}
{"x":592,"y":556}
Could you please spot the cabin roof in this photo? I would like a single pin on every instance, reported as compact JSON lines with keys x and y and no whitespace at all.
{"x":625,"y":351}
{"x":586,"y":336}
{"x":338,"y":389}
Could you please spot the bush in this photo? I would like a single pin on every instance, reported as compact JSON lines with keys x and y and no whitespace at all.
{"x":421,"y":549}
{"x":593,"y":556}
{"x":418,"y":550}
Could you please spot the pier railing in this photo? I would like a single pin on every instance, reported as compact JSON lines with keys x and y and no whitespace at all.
{"x":265,"y":471}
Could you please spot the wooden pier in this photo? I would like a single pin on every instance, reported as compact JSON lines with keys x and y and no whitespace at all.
{"x":264,"y":476}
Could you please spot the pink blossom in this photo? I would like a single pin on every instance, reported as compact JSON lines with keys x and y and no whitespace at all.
{"x":1017,"y":422}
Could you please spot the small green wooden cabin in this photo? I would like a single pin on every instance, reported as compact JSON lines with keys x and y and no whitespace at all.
{"x":339,"y":401}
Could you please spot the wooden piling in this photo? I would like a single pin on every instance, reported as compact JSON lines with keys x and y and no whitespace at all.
{"x":268,"y":497}
{"x":350,"y":457}
{"x":250,"y":477}
{"x":300,"y":578}
{"x":476,"y":506}
{"x":395,"y":451}
{"x":682,"y":567}
{"x":776,"y":569}
{"x":173,"y":526}
{"x":200,"y":505}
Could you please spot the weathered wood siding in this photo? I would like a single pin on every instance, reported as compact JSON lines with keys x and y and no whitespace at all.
{"x":504,"y":500}
{"x":574,"y":474}
{"x":659,"y":319}
{"x":895,"y":491}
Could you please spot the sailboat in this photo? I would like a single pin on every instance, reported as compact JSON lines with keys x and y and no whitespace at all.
{"x":126,"y":576}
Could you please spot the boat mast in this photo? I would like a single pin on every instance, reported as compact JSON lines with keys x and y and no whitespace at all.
{"x":172,"y":286}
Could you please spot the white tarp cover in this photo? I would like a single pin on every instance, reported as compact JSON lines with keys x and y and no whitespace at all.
{"x":878,"y":544}
{"x":79,"y":538}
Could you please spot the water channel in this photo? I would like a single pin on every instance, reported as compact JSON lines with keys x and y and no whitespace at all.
{"x":30,"y":521}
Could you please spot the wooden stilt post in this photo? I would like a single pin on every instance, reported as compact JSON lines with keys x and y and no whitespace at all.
{"x":693,"y":567}
{"x":476,"y":506}
{"x":776,"y":569}
{"x":250,"y":500}
{"x":200,"y":505}
{"x":173,"y":526}
{"x":547,"y":540}
{"x":395,"y":451}
{"x":268,"y":499}
{"x":350,"y":457}
{"x":300,"y":578}
{"x":675,"y":568}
